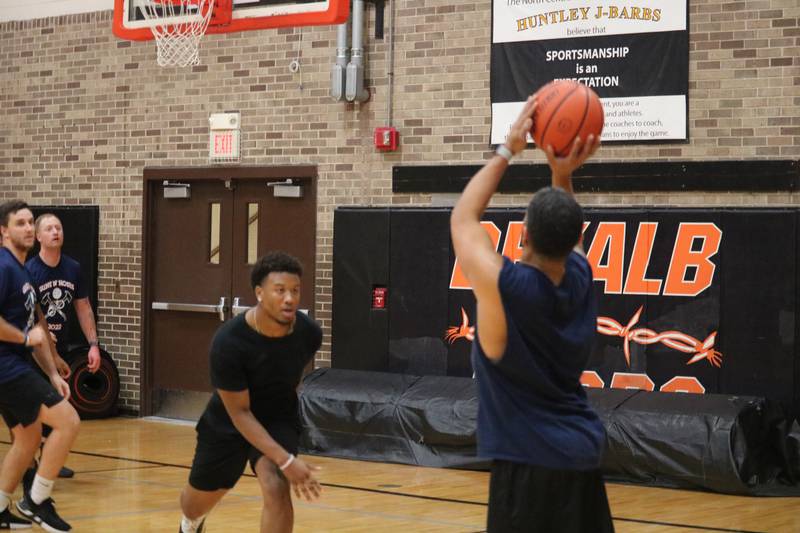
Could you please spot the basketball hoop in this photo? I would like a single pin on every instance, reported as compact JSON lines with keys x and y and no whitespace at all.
{"x":177,"y":26}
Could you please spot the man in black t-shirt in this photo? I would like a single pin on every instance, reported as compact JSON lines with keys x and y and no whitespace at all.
{"x":257,"y":361}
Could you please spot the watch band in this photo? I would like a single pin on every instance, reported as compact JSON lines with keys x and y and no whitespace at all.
{"x":504,"y":152}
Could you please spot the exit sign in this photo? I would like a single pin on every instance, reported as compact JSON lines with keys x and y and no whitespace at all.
{"x":225,"y":136}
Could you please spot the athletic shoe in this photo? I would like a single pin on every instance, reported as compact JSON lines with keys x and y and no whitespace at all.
{"x":66,"y":472}
{"x":198,"y":530}
{"x":9,"y":521}
{"x":43,"y":514}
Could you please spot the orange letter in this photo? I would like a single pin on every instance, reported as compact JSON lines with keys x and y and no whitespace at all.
{"x":609,"y":235}
{"x":683,"y":384}
{"x":592,"y":379}
{"x":684,"y":257}
{"x":636,"y":283}
{"x":458,"y":280}
{"x":624,"y":380}
{"x":512,"y":248}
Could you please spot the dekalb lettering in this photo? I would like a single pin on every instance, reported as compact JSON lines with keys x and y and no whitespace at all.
{"x":689,"y":273}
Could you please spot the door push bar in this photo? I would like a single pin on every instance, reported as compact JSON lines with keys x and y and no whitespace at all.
{"x":219,"y":309}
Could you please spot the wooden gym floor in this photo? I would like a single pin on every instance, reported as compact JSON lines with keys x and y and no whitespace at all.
{"x":130,"y":473}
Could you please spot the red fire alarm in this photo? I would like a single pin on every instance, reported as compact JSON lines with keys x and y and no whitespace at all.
{"x":379,"y":297}
{"x":387,"y":138}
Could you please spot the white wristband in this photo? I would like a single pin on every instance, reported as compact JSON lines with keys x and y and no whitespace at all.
{"x":288,"y":463}
{"x":504,"y":152}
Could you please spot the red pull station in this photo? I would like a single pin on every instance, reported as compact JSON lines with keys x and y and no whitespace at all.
{"x":387,"y":138}
{"x":379,"y":297}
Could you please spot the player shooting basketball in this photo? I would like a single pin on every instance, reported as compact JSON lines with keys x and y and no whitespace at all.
{"x":535,"y":327}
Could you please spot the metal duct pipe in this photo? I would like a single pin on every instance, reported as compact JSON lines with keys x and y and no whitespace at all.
{"x":355,"y":90}
{"x":390,"y":70}
{"x":338,"y":79}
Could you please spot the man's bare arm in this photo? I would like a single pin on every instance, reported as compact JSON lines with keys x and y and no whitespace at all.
{"x":238,"y":406}
{"x":83,"y":308}
{"x":61,"y":366}
{"x":298,"y":472}
{"x":476,"y":255}
{"x":561,"y":168}
{"x":9,"y":333}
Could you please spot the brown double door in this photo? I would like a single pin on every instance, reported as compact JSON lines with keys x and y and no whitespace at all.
{"x":203,"y":237}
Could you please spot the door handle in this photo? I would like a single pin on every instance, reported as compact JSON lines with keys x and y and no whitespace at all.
{"x":220,"y":308}
{"x":237,"y":308}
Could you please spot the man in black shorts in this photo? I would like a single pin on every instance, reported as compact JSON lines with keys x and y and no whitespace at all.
{"x":26,"y":399}
{"x":536,"y":323}
{"x":257,"y":361}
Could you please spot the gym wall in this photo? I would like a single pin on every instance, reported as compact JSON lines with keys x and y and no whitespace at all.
{"x":85,"y":113}
{"x":689,"y":300}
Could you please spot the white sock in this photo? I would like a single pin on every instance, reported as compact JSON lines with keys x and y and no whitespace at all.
{"x":5,"y":500}
{"x":190,"y":526}
{"x":41,"y":489}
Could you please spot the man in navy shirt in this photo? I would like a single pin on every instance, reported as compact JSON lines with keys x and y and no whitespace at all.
{"x":26,"y":399}
{"x":536,"y":322}
{"x":58,"y":283}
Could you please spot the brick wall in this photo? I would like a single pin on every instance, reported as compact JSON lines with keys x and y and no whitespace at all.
{"x":84,"y":113}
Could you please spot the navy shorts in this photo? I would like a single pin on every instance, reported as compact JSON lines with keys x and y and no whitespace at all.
{"x":219,"y":461}
{"x":21,"y":399}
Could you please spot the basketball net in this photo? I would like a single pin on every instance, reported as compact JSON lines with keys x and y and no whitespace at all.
{"x":178,"y":27}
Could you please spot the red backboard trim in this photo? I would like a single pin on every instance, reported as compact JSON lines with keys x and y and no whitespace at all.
{"x":336,"y":13}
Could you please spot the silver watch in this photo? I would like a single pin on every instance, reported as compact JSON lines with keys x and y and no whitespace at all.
{"x":504,"y":152}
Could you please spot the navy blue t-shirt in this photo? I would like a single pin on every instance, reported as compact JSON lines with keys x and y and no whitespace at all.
{"x":57,"y":287}
{"x":18,"y":308}
{"x":532,"y":407}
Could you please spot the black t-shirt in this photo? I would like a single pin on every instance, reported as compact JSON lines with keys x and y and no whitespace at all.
{"x":269,"y":368}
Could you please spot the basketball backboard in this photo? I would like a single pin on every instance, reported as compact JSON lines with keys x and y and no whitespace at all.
{"x":130,"y":23}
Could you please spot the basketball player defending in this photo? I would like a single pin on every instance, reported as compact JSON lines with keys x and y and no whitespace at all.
{"x":257,"y":361}
{"x":26,"y":399}
{"x":536,"y":322}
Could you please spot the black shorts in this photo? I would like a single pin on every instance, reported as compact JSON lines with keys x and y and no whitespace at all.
{"x":219,"y":461}
{"x":527,"y":498}
{"x":46,"y":430}
{"x":22,"y":398}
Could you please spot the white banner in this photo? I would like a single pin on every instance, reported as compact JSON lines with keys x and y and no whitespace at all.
{"x":636,"y":118}
{"x":527,"y":20}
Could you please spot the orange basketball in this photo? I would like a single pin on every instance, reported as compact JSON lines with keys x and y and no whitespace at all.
{"x":566,"y":109}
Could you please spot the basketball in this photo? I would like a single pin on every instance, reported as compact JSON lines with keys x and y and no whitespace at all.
{"x":565,"y":109}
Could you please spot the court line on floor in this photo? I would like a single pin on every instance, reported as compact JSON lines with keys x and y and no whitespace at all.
{"x":700,"y":528}
{"x":419,"y":496}
{"x":103,"y":470}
